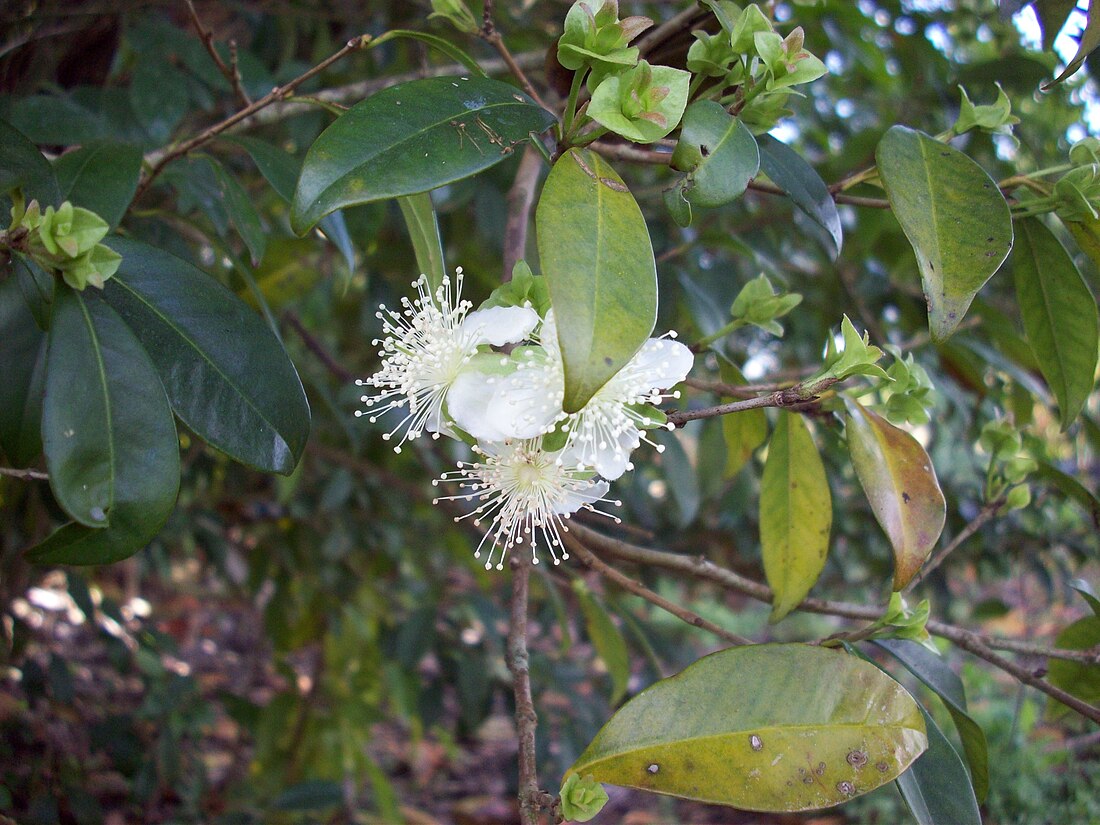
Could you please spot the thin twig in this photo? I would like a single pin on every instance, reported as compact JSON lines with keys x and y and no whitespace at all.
{"x":738,"y":390}
{"x":518,"y":664}
{"x":231,"y":72}
{"x":278,"y":93}
{"x":795,"y":396}
{"x":639,"y":589}
{"x":987,"y":513}
{"x":982,"y":647}
{"x":24,"y":475}
{"x":521,"y":197}
{"x":684,"y":21}
{"x":491,"y":36}
{"x":631,"y":153}
{"x":317,"y":348}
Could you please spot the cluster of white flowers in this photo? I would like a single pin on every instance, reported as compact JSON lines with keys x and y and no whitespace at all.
{"x":444,"y":372}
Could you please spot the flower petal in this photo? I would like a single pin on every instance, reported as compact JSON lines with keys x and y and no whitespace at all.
{"x":574,"y":500}
{"x":611,"y":459}
{"x":660,"y":363}
{"x":468,"y":403}
{"x":500,"y":325}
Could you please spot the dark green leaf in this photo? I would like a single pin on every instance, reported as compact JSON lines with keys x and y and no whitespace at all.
{"x":281,"y":170}
{"x":1073,"y":488}
{"x":78,"y":433}
{"x":411,"y":138}
{"x":718,"y":152}
{"x":101,"y":177}
{"x":796,"y":514}
{"x":23,"y":354}
{"x":227,"y":376}
{"x":438,"y":43}
{"x":791,"y":173}
{"x":37,"y":286}
{"x":595,"y":252}
{"x":1052,"y":15}
{"x":897,"y":477}
{"x":1089,"y":40}
{"x":764,"y":728}
{"x":138,"y":428}
{"x":21,"y":164}
{"x":1078,"y":678}
{"x":423,"y":229}
{"x":936,"y":787}
{"x":934,"y":672}
{"x":158,"y":96}
{"x":1059,"y":315}
{"x":954,"y":216}
{"x":56,"y":120}
{"x":239,"y":208}
{"x":683,"y":483}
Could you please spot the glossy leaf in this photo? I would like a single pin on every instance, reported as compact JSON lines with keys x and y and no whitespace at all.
{"x":440,"y":44}
{"x":608,"y":641}
{"x":78,"y":433}
{"x":1086,"y":44}
{"x":744,"y":431}
{"x":411,"y":138}
{"x":101,"y":177}
{"x":22,"y":352}
{"x":239,"y":208}
{"x":934,"y":672}
{"x":796,"y":514}
{"x":281,"y":170}
{"x":901,"y":485}
{"x":778,"y":727}
{"x":21,"y":164}
{"x":1059,"y":315}
{"x":1088,"y":594}
{"x":228,"y":377}
{"x":597,"y":258}
{"x":423,"y":229}
{"x":719,"y":154}
{"x":1078,"y":678}
{"x":936,"y":787}
{"x":790,"y":172}
{"x":954,"y":216}
{"x":137,"y":431}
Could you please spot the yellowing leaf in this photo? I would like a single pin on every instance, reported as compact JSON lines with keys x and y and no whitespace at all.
{"x":778,"y":727}
{"x":900,"y":484}
{"x":796,"y":514}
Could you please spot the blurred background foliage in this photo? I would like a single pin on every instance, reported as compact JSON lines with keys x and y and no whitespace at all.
{"x":323,"y":647}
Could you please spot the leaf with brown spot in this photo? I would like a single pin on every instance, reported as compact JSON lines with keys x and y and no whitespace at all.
{"x":901,"y":486}
{"x":777,"y":727}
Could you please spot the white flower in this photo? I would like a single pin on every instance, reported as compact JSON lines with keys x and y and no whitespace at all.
{"x":523,"y":491}
{"x":602,"y":434}
{"x":428,"y":342}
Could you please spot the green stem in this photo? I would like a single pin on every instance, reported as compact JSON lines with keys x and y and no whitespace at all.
{"x":588,"y":137}
{"x":732,"y":326}
{"x":571,"y":102}
{"x":696,"y":84}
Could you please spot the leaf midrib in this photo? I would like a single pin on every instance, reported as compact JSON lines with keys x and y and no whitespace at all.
{"x":406,"y":138}
{"x":214,"y":366}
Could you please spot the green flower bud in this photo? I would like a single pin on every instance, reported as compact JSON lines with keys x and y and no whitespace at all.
{"x":457,"y":13}
{"x":760,"y":305}
{"x":994,"y":117}
{"x":642,"y":104}
{"x":595,"y":37}
{"x":93,"y":267}
{"x":581,"y":799}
